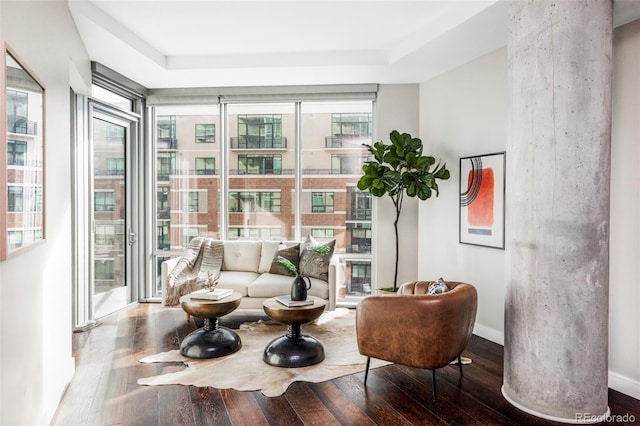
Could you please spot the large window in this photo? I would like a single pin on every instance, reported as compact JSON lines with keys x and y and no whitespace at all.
{"x":265,"y":164}
{"x":264,"y":179}
{"x":187,"y":187}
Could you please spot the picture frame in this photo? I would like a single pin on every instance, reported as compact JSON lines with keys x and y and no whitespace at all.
{"x":482,"y":204}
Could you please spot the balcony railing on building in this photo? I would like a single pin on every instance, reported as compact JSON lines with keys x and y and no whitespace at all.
{"x":167,"y":143}
{"x":346,"y":141}
{"x":258,"y":142}
{"x":360,"y":214}
{"x":21,"y":126}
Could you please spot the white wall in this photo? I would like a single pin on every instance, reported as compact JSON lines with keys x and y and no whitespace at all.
{"x":396,"y":109}
{"x":462,"y":113}
{"x":624,"y":248}
{"x":35,"y":287}
{"x":465,"y":112}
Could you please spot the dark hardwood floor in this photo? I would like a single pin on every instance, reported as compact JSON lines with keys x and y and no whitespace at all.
{"x":104,"y":390}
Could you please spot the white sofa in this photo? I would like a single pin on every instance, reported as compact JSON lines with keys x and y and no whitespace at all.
{"x":245,"y":269}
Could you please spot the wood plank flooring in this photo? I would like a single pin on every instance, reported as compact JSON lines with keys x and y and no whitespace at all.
{"x":104,"y":390}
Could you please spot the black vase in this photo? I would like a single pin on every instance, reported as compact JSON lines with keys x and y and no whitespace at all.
{"x":299,"y":288}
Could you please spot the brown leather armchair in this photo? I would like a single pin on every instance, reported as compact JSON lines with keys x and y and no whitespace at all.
{"x":415,"y":329}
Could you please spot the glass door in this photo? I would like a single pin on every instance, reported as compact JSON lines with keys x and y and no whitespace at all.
{"x":112,"y":234}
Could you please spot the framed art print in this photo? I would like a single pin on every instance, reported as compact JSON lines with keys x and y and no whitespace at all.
{"x":482,"y":189}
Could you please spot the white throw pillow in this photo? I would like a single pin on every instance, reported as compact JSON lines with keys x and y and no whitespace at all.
{"x":242,"y":255}
{"x":269,"y":250}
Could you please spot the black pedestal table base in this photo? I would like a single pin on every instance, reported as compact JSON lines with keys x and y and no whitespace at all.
{"x":294,"y":350}
{"x":210,"y":341}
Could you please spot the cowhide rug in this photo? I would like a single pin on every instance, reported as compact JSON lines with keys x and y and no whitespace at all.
{"x":246,"y":371}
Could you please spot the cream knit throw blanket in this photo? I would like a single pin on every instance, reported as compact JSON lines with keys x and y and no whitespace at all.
{"x":198,"y":268}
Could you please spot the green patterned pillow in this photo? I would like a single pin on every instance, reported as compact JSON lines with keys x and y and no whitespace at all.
{"x":292,"y":254}
{"x":315,"y":258}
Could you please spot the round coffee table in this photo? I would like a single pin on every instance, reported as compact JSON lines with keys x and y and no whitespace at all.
{"x":294,"y":349}
{"x":212,"y":340}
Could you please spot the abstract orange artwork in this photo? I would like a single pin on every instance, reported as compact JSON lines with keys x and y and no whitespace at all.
{"x":482,"y":200}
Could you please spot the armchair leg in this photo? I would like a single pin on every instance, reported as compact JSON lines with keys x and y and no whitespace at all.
{"x":460,"y":364}
{"x":433,"y":383}
{"x":366,"y":372}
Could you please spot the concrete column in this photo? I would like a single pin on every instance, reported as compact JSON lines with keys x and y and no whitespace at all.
{"x":558,"y":156}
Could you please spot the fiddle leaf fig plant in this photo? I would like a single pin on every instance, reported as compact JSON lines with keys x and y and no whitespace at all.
{"x":398,"y":168}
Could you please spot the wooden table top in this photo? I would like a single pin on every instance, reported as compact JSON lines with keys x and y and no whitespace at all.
{"x":296,"y":314}
{"x":210,"y":308}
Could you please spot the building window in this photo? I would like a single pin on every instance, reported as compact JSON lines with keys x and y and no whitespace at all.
{"x":360,"y":278}
{"x":103,"y":269}
{"x":162,"y":235}
{"x":14,"y":239}
{"x":191,"y":201}
{"x":104,"y":201}
{"x":360,"y":205}
{"x":18,"y":113}
{"x":166,"y":165}
{"x":260,"y":132}
{"x":322,"y":202}
{"x":189,"y":233}
{"x":166,"y":132}
{"x":16,"y":153}
{"x":105,"y":235}
{"x":322,"y":233}
{"x":163,"y":199}
{"x":205,"y":166}
{"x":361,"y":238}
{"x":350,"y":130}
{"x":15,"y":200}
{"x":205,"y":133}
{"x":347,"y":164}
{"x":254,"y":201}
{"x":267,"y":233}
{"x":260,"y":164}
{"x":114,"y":134}
{"x":115,"y":166}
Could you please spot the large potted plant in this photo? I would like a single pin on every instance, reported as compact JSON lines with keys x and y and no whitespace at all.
{"x":400,"y":168}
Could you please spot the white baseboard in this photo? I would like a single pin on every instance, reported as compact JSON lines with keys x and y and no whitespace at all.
{"x":496,"y":336}
{"x":617,"y":381}
{"x":624,"y":384}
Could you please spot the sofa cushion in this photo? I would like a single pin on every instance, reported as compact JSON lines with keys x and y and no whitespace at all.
{"x":272,"y":285}
{"x":237,"y":280}
{"x":312,"y":263}
{"x":292,"y":254}
{"x":241,"y":255}
{"x":269,"y":250}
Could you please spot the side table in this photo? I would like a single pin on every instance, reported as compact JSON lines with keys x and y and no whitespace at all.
{"x":294,"y":349}
{"x":212,"y":340}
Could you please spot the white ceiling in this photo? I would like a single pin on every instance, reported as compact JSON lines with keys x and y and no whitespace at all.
{"x":198,"y":43}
